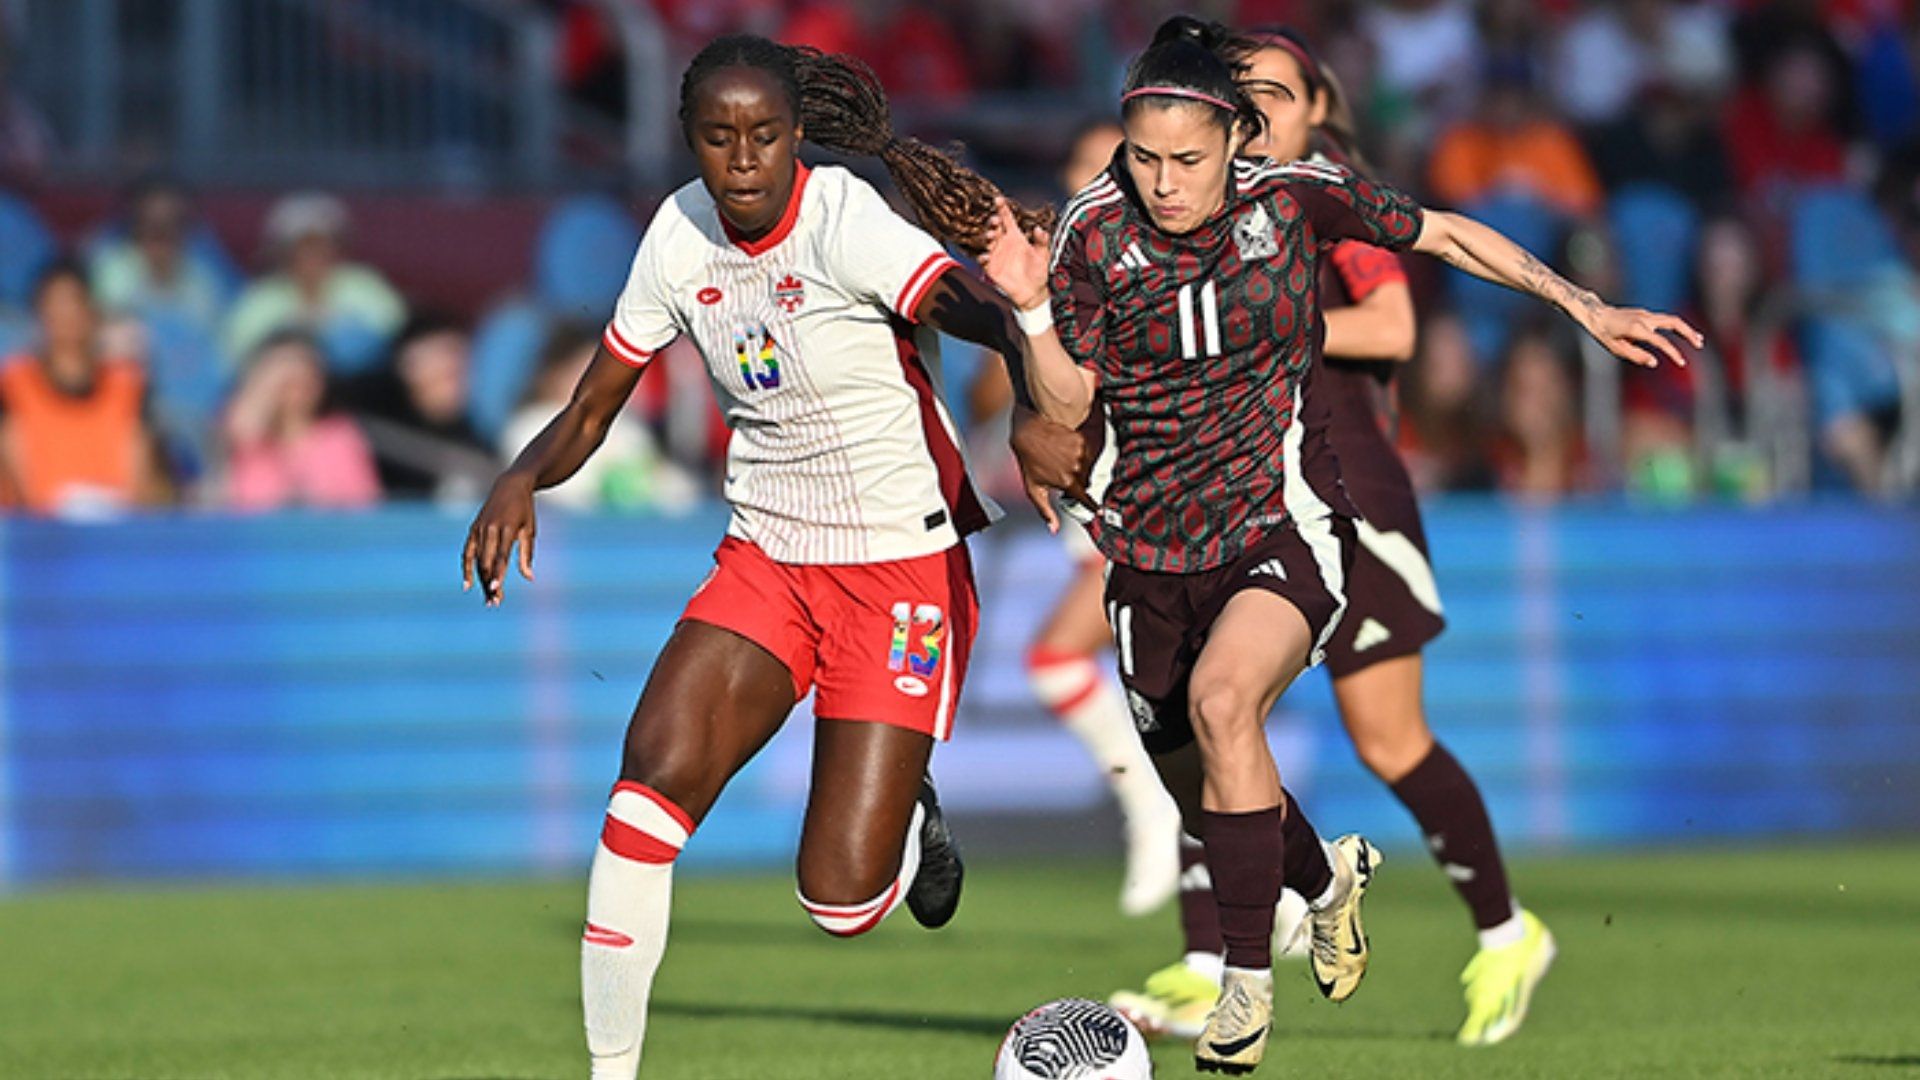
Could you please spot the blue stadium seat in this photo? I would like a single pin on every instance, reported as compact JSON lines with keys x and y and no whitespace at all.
{"x":506,"y":349}
{"x":581,"y":260}
{"x":1839,"y":240}
{"x":26,"y":246}
{"x":1655,"y":230}
{"x":1840,"y":248}
{"x":1488,"y":310}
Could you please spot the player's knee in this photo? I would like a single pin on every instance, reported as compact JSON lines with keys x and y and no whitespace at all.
{"x":852,"y":898}
{"x":1222,"y":713}
{"x":1390,"y":753}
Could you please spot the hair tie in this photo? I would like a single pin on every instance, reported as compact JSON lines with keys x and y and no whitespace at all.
{"x":1179,"y":92}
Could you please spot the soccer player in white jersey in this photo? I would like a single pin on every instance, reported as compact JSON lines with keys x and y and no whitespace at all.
{"x":844,"y":569}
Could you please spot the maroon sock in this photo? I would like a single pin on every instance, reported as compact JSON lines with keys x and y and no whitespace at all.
{"x":1449,"y":809}
{"x":1199,"y":915}
{"x":1245,"y":854}
{"x":1308,"y":872}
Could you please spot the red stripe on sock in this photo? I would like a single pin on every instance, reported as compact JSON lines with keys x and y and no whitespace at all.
{"x":1078,"y":697}
{"x":600,"y":935}
{"x":630,"y":843}
{"x":881,"y":906}
{"x":1044,"y":656}
{"x":685,"y":819}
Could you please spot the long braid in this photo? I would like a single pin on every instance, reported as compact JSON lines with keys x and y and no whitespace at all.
{"x":843,"y":108}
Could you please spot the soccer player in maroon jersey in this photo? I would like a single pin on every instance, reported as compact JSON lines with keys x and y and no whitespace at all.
{"x":1179,"y":295}
{"x":844,"y":569}
{"x":1393,"y":604}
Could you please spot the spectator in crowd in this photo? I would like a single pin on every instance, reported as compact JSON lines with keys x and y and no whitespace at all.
{"x":350,"y":308}
{"x":1614,"y":50}
{"x":24,"y":139}
{"x":627,"y":471}
{"x":1427,"y":51}
{"x":917,"y":57}
{"x":74,"y":439}
{"x":1782,"y":130}
{"x":1442,"y":432}
{"x":1512,"y":146}
{"x":287,"y":443}
{"x":1540,"y":453}
{"x":1669,"y":138}
{"x":150,"y":270}
{"x":415,"y":414}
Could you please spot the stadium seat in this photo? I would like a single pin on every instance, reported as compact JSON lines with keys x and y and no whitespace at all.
{"x":506,"y":349}
{"x":1655,"y":230}
{"x":1488,"y":310}
{"x":581,"y":259}
{"x":1839,"y":241}
{"x":25,"y":247}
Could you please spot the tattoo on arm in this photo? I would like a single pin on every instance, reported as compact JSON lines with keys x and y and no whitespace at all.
{"x":1541,"y":280}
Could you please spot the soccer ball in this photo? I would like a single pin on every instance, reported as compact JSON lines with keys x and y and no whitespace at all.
{"x":1073,"y":1039}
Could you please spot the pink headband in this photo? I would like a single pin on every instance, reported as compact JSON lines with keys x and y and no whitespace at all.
{"x":1179,"y":92}
{"x":1294,"y":49}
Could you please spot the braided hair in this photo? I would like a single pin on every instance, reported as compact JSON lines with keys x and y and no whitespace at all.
{"x":841,"y":106}
{"x":1194,"y":61}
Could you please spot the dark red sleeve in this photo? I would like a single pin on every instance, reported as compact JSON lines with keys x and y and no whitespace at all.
{"x":1364,"y":268}
{"x":1341,"y":205}
{"x":1078,"y":301}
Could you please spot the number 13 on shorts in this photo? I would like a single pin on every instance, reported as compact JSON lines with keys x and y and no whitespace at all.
{"x":919,"y":637}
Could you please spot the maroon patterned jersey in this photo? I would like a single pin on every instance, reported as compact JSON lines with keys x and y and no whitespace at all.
{"x":1203,"y":344}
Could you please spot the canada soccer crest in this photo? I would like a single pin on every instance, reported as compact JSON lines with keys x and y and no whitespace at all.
{"x":789,"y":292}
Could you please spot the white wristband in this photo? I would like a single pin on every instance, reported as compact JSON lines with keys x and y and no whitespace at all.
{"x":1034,"y":321}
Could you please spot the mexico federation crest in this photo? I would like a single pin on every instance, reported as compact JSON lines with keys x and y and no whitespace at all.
{"x":1145,"y":719}
{"x":1253,"y":235}
{"x":789,"y":292}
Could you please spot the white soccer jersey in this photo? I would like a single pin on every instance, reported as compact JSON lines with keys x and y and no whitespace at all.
{"x":842,"y":450}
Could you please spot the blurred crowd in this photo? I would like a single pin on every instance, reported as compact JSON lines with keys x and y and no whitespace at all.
{"x":1754,"y":166}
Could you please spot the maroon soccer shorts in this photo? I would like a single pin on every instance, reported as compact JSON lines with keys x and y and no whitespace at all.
{"x":1161,"y":621}
{"x":1393,"y":604}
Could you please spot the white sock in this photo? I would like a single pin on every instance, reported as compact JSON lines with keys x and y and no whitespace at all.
{"x":1072,"y":688}
{"x":629,"y":897}
{"x":1336,"y":889}
{"x":1507,"y":933}
{"x":1262,"y":975}
{"x":848,"y":920}
{"x":1206,"y":963}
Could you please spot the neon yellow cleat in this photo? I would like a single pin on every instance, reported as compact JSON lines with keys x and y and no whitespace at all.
{"x":1500,"y":984}
{"x":1173,"y":1004}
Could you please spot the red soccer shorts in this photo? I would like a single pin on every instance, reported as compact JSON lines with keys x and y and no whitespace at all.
{"x":884,"y":642}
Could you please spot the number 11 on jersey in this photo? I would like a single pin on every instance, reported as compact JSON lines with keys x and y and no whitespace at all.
{"x":1209,"y":322}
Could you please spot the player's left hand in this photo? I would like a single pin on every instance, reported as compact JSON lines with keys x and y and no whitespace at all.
{"x":1640,"y":337}
{"x":1015,"y":262}
{"x":1052,"y":457}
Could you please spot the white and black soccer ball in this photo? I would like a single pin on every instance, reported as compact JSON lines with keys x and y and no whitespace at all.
{"x":1073,"y":1039}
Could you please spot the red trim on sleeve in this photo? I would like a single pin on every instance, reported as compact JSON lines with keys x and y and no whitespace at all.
{"x":781,"y":228}
{"x":623,"y":350}
{"x":956,"y":487}
{"x":1364,"y":268}
{"x":920,"y":281}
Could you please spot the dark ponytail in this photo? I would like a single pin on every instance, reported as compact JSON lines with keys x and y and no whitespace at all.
{"x":1194,"y":61}
{"x":841,"y":107}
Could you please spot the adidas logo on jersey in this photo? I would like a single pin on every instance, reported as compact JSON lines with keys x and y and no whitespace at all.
{"x":1133,"y":258}
{"x":1371,"y":633}
{"x":1271,"y":568}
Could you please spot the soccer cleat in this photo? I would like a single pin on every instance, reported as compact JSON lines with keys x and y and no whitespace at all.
{"x":1173,"y":1004}
{"x":1291,"y":938}
{"x":1339,"y":958}
{"x":1500,"y":983}
{"x":1235,"y":1037}
{"x":935,"y":892}
{"x":1153,"y":858}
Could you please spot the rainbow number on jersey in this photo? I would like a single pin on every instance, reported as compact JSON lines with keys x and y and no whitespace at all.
{"x":759,"y":367}
{"x":916,"y":659}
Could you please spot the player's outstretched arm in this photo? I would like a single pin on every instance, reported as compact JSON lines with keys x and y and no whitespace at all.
{"x":1016,"y":263}
{"x":506,"y":518}
{"x":1632,"y":334}
{"x":962,"y":305}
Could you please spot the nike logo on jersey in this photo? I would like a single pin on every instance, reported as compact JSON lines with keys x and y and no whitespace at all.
{"x":1371,"y":633}
{"x":1271,"y":567}
{"x":1235,"y":1046}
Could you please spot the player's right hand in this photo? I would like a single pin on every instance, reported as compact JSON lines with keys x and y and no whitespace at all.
{"x":504,"y":520}
{"x":1052,"y":457}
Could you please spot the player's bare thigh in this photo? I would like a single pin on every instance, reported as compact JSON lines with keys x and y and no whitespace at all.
{"x":713,"y":700}
{"x":1254,"y":650}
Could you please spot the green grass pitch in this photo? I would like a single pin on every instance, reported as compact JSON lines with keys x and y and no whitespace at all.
{"x":1782,"y":962}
